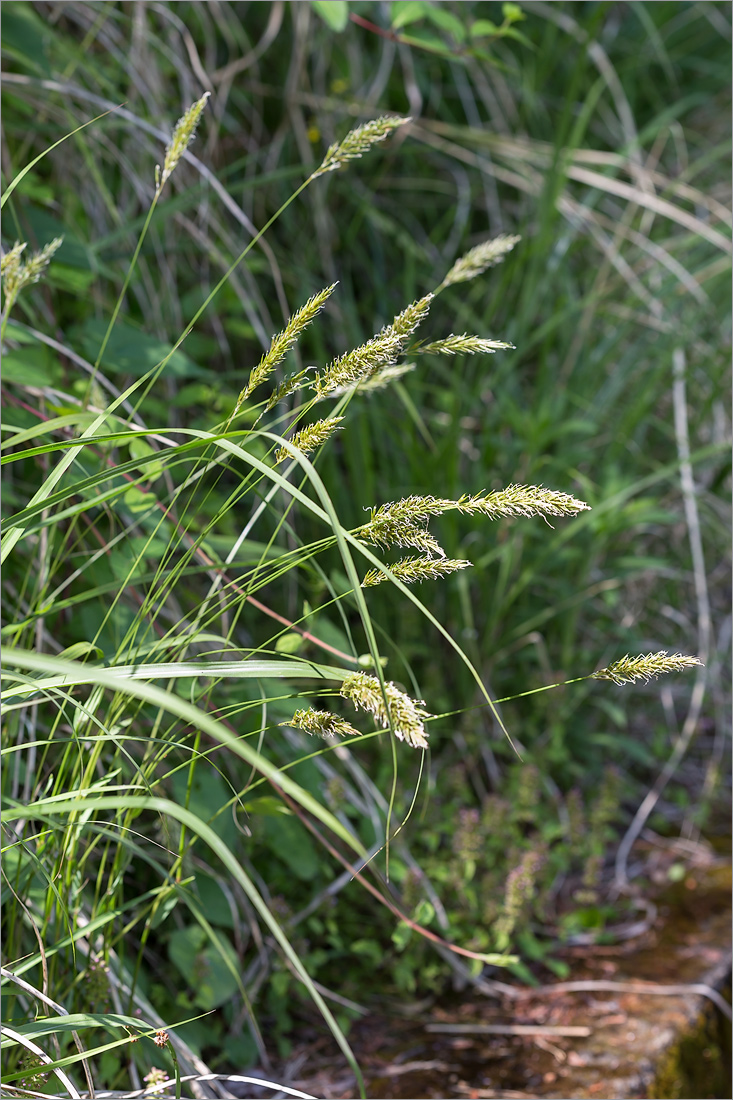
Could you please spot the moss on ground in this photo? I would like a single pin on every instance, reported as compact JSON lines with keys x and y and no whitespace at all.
{"x":698,"y":1065}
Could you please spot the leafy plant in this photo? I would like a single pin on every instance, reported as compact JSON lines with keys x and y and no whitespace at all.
{"x":192,"y":588}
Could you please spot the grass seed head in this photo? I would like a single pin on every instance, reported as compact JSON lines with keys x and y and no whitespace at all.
{"x":646,"y":667}
{"x":385,"y":377}
{"x":357,"y":142}
{"x":284,"y":341}
{"x":16,"y":275}
{"x":321,"y":723}
{"x":403,"y":523}
{"x":370,"y":359}
{"x":521,"y":500}
{"x":480,"y":258}
{"x":411,"y":570}
{"x":405,"y":716}
{"x":183,"y":134}
{"x":11,"y":260}
{"x":311,"y":437}
{"x":461,"y":345}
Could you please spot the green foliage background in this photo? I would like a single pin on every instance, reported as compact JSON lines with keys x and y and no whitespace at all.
{"x":597,"y":131}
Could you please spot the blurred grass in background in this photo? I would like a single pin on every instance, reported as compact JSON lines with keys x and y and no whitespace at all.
{"x":600,"y":133}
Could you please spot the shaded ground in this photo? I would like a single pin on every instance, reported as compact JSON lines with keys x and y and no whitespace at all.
{"x":621,"y":1028}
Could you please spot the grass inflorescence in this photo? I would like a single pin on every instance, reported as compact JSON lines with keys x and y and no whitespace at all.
{"x":213,"y":668}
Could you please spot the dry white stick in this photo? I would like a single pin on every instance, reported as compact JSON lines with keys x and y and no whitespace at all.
{"x":703,"y":622}
{"x":10,"y":976}
{"x":65,"y":1081}
{"x":645,"y":988}
{"x":509,"y":1029}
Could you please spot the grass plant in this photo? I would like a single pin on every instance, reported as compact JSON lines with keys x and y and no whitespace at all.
{"x":191,"y":588}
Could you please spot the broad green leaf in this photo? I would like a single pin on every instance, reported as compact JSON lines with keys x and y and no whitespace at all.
{"x":482,"y":28}
{"x":401,"y":936}
{"x":512,"y":12}
{"x":290,"y":842}
{"x":207,"y":973}
{"x":424,"y":40}
{"x":140,"y":448}
{"x":424,"y":912}
{"x":20,"y":334}
{"x":137,"y":501}
{"x":73,"y":252}
{"x":75,"y":280}
{"x":207,"y":796}
{"x":132,"y":351}
{"x":404,"y":12}
{"x":26,"y":37}
{"x":30,"y":366}
{"x":214,"y":901}
{"x":512,"y":32}
{"x":369,"y":949}
{"x":333,"y":12}
{"x":267,"y":807}
{"x":80,"y":650}
{"x":446,"y":21}
{"x":36,"y":190}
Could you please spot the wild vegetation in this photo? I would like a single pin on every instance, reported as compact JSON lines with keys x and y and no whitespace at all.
{"x":365,"y":437}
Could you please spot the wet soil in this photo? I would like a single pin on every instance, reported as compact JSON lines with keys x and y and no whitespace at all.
{"x":621,"y":1027}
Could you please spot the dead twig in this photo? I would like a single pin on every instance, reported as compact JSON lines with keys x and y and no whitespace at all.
{"x":649,"y":988}
{"x":509,"y":1029}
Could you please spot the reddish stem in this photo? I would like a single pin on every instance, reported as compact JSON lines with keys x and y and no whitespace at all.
{"x":361,"y":22}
